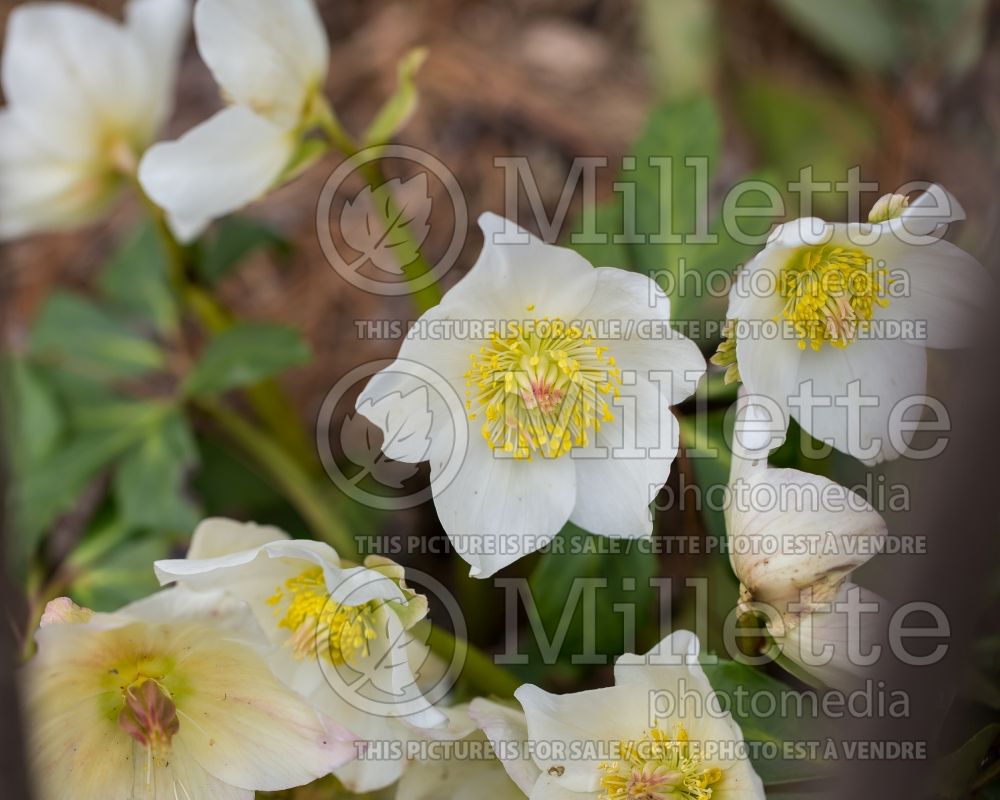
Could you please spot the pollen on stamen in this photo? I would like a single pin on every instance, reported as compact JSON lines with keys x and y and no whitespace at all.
{"x":830,"y":294}
{"x":320,"y":626}
{"x":544,"y":389}
{"x":658,"y":766}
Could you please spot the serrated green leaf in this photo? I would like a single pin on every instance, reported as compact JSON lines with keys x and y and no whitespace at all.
{"x":80,"y":336}
{"x":137,"y":280}
{"x":244,"y":355}
{"x":150,"y":479}
{"x":397,"y":110}
{"x":233,"y":240}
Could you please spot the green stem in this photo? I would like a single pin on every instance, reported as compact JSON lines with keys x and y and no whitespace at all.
{"x":428,"y":296}
{"x":285,"y":473}
{"x":478,"y":669}
{"x":267,"y":399}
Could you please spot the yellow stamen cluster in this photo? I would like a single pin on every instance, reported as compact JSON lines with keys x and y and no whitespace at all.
{"x":830,"y":293}
{"x":319,"y":625}
{"x":543,"y":388}
{"x":658,"y":767}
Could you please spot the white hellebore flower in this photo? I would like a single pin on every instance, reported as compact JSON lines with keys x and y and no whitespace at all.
{"x":343,"y":633}
{"x":559,"y":377}
{"x":270,"y":59}
{"x":86,"y":95}
{"x":168,"y":698}
{"x":794,"y":540}
{"x":831,"y":321}
{"x":464,"y":769}
{"x":660,"y":733}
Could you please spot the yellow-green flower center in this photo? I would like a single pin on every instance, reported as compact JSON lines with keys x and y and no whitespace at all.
{"x":319,"y":625}
{"x":830,"y":293}
{"x":658,"y":767}
{"x":543,"y":388}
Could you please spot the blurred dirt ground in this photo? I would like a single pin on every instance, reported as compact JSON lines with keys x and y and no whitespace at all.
{"x":545,"y":79}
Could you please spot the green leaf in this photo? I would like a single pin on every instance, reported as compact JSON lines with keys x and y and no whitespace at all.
{"x":150,"y":480}
{"x":803,"y":126}
{"x":244,"y":355}
{"x":231,"y":241}
{"x":137,"y":280}
{"x":733,"y":681}
{"x":123,"y":574}
{"x":957,"y":772}
{"x":397,"y":110}
{"x":80,"y":336}
{"x":862,"y":33}
{"x":34,"y":420}
{"x":51,"y":489}
{"x":679,"y":140}
{"x":625,"y":573}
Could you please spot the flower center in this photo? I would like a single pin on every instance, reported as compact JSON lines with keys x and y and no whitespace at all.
{"x":657,"y":767}
{"x":150,"y":717}
{"x":830,"y":293}
{"x":339,"y":634}
{"x":542,"y":388}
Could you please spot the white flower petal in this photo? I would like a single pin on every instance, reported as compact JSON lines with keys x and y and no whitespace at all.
{"x":418,"y":400}
{"x":614,"y":491}
{"x":637,"y":308}
{"x":823,"y":642}
{"x":887,"y":371}
{"x":769,"y":508}
{"x":41,"y":189}
{"x":505,"y":726}
{"x":498,"y":509}
{"x":216,"y":168}
{"x":927,"y":213}
{"x":248,"y":730}
{"x":599,"y":717}
{"x":516,"y":270}
{"x":769,"y":367}
{"x":183,"y":777}
{"x":161,"y":27}
{"x":218,"y":536}
{"x":549,"y":789}
{"x":266,"y":55}
{"x":949,"y":291}
{"x":74,"y":74}
{"x":457,"y":779}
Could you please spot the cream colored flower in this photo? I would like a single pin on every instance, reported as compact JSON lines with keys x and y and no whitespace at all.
{"x":461,"y":769}
{"x":562,"y":377}
{"x":619,"y":743}
{"x":830,"y":308}
{"x":168,"y":698}
{"x":270,"y":61}
{"x":794,"y":540}
{"x":86,"y":95}
{"x":343,"y":634}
